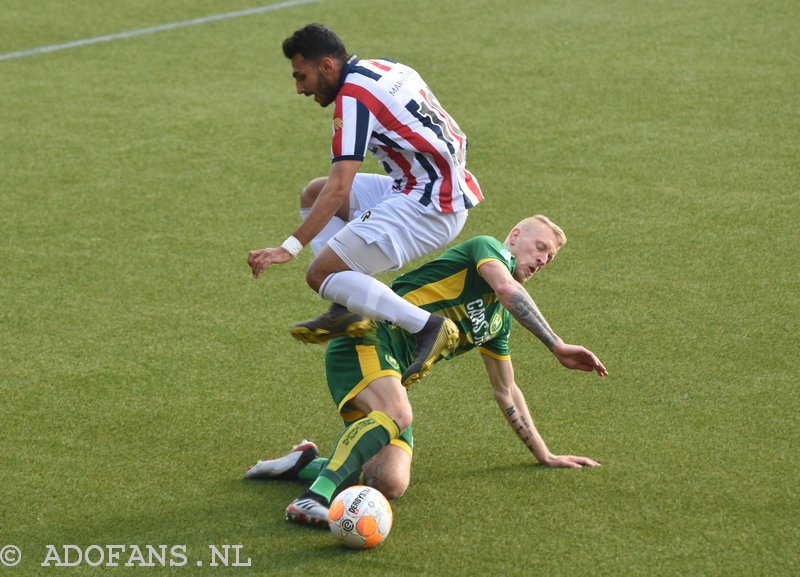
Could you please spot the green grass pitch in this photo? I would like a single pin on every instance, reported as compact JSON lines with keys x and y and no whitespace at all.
{"x":142,"y":369}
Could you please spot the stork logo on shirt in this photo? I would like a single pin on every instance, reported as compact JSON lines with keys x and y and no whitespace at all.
{"x":496,"y":324}
{"x":392,"y":362}
{"x":338,"y":123}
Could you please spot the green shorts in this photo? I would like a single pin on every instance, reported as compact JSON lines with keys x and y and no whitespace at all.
{"x":351,"y":365}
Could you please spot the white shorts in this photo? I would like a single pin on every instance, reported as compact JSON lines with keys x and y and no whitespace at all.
{"x":401,"y":228}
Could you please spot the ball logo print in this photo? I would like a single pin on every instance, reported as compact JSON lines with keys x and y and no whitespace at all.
{"x":360,"y":517}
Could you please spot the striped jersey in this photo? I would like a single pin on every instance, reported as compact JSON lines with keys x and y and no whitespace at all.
{"x":450,"y":286}
{"x":385,"y":107}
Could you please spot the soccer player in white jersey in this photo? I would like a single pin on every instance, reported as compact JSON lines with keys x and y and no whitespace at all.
{"x":362,"y":224}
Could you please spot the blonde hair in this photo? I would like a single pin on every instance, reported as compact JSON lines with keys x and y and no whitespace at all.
{"x":540,"y":219}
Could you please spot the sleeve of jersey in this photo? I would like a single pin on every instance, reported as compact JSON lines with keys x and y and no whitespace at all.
{"x":352,"y":126}
{"x":485,"y":248}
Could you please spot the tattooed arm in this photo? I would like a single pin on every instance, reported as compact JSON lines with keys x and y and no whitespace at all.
{"x":511,"y":401}
{"x":521,"y":306}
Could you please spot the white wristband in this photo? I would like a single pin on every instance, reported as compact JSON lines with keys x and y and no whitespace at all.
{"x":292,"y":246}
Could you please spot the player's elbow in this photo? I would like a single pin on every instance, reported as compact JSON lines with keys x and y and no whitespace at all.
{"x":504,"y":393}
{"x":505,"y":290}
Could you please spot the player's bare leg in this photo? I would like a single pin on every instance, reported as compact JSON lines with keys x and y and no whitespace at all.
{"x":389,"y":471}
{"x":385,"y":403}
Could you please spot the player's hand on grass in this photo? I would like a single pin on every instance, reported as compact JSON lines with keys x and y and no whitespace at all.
{"x":578,"y":358}
{"x":261,"y":260}
{"x":569,"y":462}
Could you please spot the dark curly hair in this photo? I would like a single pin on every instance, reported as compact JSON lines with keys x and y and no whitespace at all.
{"x":313,"y":42}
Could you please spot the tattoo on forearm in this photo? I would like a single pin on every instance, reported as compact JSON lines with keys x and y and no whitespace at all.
{"x":521,"y":426}
{"x":522,"y":308}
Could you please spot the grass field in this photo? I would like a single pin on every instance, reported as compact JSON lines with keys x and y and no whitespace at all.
{"x":142,"y":369}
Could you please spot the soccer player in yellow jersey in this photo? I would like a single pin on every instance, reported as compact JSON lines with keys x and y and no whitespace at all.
{"x":478,"y":285}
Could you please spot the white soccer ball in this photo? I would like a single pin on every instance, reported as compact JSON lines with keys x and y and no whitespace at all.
{"x":360,"y":517}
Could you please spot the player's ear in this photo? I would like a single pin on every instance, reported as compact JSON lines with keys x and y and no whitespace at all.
{"x":327,"y":65}
{"x":513,"y":237}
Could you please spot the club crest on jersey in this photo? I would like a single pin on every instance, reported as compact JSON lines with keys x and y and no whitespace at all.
{"x":391,"y":360}
{"x":482,"y":329}
{"x":338,"y":123}
{"x":496,"y":324}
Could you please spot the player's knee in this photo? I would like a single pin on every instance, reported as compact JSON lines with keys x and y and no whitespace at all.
{"x":311,"y":191}
{"x":324,"y":265}
{"x":392,"y":485}
{"x":315,"y":276}
{"x":389,"y":471}
{"x":317,"y":272}
{"x":402,"y":416}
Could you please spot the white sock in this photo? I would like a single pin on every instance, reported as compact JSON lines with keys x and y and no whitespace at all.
{"x":335,"y":224}
{"x":369,"y":297}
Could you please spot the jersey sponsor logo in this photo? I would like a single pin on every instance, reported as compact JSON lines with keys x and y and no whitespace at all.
{"x":398,"y":85}
{"x":338,"y":123}
{"x":477,"y":316}
{"x":366,"y":215}
{"x":483,"y":330}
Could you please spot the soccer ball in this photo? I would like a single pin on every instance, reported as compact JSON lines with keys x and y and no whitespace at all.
{"x":360,"y":517}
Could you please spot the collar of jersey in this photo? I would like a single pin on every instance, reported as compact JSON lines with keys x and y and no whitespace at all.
{"x":349,"y":64}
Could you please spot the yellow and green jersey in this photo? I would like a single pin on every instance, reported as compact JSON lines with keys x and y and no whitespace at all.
{"x":450,"y":286}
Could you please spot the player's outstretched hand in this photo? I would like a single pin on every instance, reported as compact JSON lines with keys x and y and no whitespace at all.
{"x":261,"y":260}
{"x":578,"y":358}
{"x":570,"y":462}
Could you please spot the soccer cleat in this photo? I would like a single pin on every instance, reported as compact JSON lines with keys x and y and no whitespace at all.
{"x":286,"y":467}
{"x":307,"y":511}
{"x":438,"y":337}
{"x":336,"y":322}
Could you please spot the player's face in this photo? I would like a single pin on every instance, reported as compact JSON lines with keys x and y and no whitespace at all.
{"x":315,"y":79}
{"x":534,"y":247}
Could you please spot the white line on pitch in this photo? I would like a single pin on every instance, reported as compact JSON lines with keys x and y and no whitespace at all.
{"x":153,"y":29}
